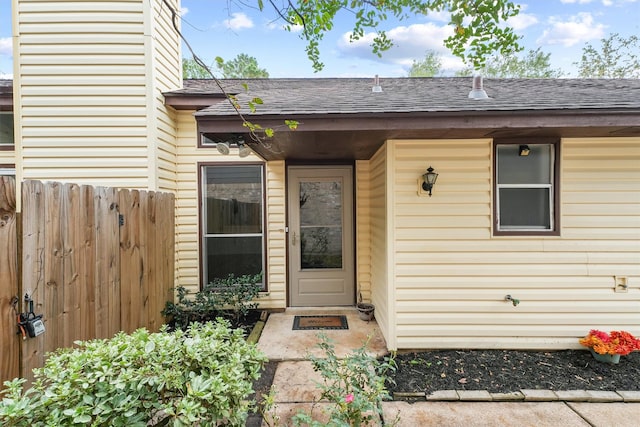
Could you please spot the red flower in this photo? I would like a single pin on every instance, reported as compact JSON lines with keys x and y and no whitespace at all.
{"x":616,"y":342}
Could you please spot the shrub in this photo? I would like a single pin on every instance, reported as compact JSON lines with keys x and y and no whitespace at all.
{"x":354,"y":385}
{"x":231,"y":298}
{"x":201,"y":376}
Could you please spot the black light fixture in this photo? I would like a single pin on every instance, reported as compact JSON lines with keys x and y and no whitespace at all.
{"x":429,"y":178}
{"x":524,"y":150}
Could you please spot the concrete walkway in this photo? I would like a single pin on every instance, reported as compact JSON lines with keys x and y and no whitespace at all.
{"x":295,"y":384}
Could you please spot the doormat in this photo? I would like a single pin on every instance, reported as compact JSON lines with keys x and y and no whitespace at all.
{"x":301,"y":323}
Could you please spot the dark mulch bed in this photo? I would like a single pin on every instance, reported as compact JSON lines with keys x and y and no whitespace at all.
{"x":504,"y":371}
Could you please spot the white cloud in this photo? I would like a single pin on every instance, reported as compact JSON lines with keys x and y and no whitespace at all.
{"x":575,"y":1}
{"x":6,"y":76}
{"x":522,"y":21}
{"x":408,"y":43}
{"x":6,"y":46}
{"x":440,"y":16}
{"x":578,"y":29}
{"x":411,"y":43}
{"x":184,"y":11}
{"x":238,"y":21}
{"x":607,"y":2}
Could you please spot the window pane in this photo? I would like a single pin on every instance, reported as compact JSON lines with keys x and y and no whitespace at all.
{"x":532,"y":169}
{"x":6,"y":128}
{"x":524,"y":208}
{"x":233,"y":199}
{"x":233,"y":255}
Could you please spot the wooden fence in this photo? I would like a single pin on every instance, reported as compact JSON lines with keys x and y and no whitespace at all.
{"x":94,"y":260}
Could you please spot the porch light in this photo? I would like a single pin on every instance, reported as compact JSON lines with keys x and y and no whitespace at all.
{"x":243,"y":149}
{"x":524,"y":150}
{"x":429,"y":178}
{"x":223,"y":147}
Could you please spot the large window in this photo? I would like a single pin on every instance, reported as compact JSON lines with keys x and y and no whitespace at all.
{"x":526,"y":188}
{"x":232,"y":220}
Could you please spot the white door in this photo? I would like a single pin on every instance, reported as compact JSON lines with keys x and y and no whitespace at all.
{"x":321,"y":259}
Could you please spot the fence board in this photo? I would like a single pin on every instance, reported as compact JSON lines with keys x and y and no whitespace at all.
{"x":151,"y":259}
{"x":9,"y":341}
{"x":55,"y":208}
{"x":87,"y":263}
{"x":33,"y":259}
{"x":88,"y":276}
{"x":107,"y":280}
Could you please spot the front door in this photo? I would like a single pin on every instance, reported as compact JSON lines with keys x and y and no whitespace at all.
{"x":321,"y":259}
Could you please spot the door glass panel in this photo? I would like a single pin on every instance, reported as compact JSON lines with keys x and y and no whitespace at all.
{"x":321,"y":224}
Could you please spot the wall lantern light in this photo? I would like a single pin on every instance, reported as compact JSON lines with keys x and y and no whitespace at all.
{"x":429,"y":178}
{"x":524,"y":150}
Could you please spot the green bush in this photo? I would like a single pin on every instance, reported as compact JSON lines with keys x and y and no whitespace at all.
{"x":230,"y":298}
{"x":201,"y":376}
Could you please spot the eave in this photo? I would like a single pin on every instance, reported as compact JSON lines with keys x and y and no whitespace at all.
{"x":348,"y":137}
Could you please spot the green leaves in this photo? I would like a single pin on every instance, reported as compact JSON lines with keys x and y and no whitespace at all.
{"x":199,"y":376}
{"x":229,"y":297}
{"x":617,"y":58}
{"x":477,"y":25}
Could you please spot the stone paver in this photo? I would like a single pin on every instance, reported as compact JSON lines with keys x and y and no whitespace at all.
{"x":502,"y":397}
{"x":296,"y":382}
{"x":475,"y":395}
{"x":604,"y":396}
{"x":476,"y":414}
{"x":444,"y":395}
{"x":534,"y":395}
{"x":630,"y":396}
{"x":573,"y":395}
{"x":608,"y":414}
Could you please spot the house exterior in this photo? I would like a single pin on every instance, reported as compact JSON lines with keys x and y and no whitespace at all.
{"x":530,"y":236}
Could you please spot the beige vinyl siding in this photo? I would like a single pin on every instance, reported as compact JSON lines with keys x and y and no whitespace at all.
{"x":167,"y":72}
{"x":381,"y":287}
{"x":451,"y":275}
{"x":87,"y":93}
{"x":276,"y":237}
{"x":363,"y":229}
{"x":187,"y":212}
{"x":7,"y":157}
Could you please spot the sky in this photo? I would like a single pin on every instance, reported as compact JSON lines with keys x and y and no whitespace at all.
{"x":226,"y":28}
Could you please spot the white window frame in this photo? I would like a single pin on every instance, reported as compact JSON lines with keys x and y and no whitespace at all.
{"x":7,"y":171}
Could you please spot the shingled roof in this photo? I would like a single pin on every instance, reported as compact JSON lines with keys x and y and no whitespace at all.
{"x":343,"y":118}
{"x":408,"y":95}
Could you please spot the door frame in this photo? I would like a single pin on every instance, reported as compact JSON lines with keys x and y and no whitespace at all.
{"x":351,"y":235}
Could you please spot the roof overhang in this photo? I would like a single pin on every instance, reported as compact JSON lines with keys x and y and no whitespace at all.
{"x":181,"y":101}
{"x":6,"y":102}
{"x":342,"y":137}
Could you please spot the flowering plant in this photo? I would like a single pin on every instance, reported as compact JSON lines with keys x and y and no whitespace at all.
{"x":615,"y":342}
